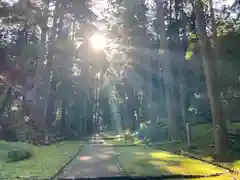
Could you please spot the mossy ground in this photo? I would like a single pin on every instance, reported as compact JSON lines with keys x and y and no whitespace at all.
{"x":45,"y":160}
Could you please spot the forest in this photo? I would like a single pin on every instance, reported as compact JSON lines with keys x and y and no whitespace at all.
{"x":163,"y":73}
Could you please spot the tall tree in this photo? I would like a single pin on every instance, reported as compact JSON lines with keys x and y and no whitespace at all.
{"x":210,"y":69}
{"x":167,"y":74}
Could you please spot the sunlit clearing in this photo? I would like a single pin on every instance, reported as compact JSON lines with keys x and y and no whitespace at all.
{"x":98,"y":41}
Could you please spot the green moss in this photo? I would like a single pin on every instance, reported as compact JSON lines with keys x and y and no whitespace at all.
{"x":145,"y":161}
{"x":202,"y":141}
{"x":234,"y":126}
{"x":45,"y":162}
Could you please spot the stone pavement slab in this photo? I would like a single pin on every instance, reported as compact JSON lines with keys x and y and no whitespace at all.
{"x":95,"y":160}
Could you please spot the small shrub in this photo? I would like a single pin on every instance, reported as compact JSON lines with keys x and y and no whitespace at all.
{"x":119,"y":137}
{"x":18,"y":155}
{"x":128,"y":137}
{"x":11,"y":152}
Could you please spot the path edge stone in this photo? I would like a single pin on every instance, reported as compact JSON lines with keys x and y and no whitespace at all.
{"x":55,"y":176}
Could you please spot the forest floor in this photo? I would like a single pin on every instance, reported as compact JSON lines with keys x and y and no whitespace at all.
{"x":203,"y":142}
{"x":201,"y":139}
{"x":144,"y":160}
{"x":44,"y":163}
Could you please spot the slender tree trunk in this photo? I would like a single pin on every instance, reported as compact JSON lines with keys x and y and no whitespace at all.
{"x":40,"y":61}
{"x":85,"y":116}
{"x":137,"y":103}
{"x":210,"y":70}
{"x":63,"y":125}
{"x":214,"y":27}
{"x":167,"y":75}
{"x":51,"y":83}
{"x":5,"y":103}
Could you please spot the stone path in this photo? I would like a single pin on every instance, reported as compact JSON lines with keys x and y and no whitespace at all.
{"x":95,"y":160}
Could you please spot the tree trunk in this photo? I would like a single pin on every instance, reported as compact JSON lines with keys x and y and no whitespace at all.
{"x":40,"y":61}
{"x":5,"y":103}
{"x":51,"y":84}
{"x":167,"y":75}
{"x":137,"y":103}
{"x":85,"y":116}
{"x":210,"y":70}
{"x":214,"y":27}
{"x":63,"y":126}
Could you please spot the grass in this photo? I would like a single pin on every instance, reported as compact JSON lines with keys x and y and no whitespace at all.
{"x":146,"y":161}
{"x":45,"y":162}
{"x":14,"y":151}
{"x":122,"y":142}
{"x":112,"y":139}
{"x":202,"y":140}
{"x":202,"y":136}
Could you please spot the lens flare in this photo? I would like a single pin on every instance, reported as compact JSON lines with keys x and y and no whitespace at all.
{"x":98,"y":41}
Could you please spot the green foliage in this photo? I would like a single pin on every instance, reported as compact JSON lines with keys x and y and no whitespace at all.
{"x":229,"y":47}
{"x":153,"y":133}
{"x":192,"y":40}
{"x":15,"y":155}
{"x":189,"y":54}
{"x":58,"y":114}
{"x":2,"y":97}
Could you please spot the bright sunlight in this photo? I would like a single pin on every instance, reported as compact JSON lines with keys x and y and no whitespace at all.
{"x":98,"y":41}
